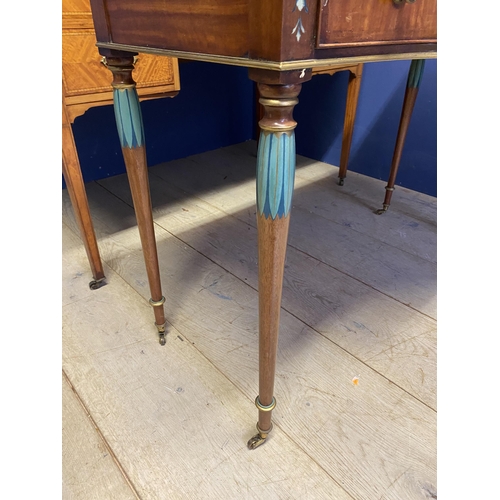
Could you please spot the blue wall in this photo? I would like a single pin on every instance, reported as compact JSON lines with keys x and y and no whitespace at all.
{"x":320,"y":123}
{"x":212,"y":110}
{"x":215,"y":108}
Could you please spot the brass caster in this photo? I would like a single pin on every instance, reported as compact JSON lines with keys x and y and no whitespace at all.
{"x":161,"y":332}
{"x":255,"y":442}
{"x":96,"y":284}
{"x":259,"y":438}
{"x":382,"y":210}
{"x":341,"y":181}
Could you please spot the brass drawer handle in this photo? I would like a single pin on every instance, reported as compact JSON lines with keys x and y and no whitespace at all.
{"x":397,"y":2}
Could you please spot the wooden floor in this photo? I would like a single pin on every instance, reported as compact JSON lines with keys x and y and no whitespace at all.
{"x":151,"y":422}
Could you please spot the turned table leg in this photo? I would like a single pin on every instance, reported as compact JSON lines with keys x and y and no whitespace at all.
{"x":76,"y":190}
{"x":275,"y":181}
{"x":412,"y":85}
{"x":350,"y":114}
{"x":131,"y":132}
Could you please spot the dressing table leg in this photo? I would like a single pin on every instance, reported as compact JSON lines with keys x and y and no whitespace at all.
{"x":76,"y":190}
{"x":131,"y":132}
{"x":412,"y":85}
{"x":350,"y":114}
{"x":275,"y":181}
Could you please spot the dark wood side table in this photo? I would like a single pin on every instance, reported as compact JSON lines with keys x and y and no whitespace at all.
{"x":280,"y":42}
{"x":353,"y":87}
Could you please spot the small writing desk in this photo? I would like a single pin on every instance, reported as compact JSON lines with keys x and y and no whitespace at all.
{"x":280,"y":42}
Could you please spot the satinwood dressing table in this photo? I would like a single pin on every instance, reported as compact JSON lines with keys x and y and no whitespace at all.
{"x":85,"y":84}
{"x":280,"y":42}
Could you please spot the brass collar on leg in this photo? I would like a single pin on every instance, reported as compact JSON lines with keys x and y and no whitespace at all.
{"x":157,"y":303}
{"x":278,"y":103}
{"x":261,"y":407}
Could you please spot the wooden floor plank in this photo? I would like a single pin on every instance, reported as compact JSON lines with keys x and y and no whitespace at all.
{"x":177,"y":425}
{"x":216,"y":182}
{"x":359,"y":192}
{"x":373,"y":439}
{"x":341,"y":308}
{"x":233,"y":167}
{"x":88,"y":469}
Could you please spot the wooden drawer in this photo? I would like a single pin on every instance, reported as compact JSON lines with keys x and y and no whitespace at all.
{"x":85,"y":79}
{"x":83,"y":72}
{"x":349,"y":23}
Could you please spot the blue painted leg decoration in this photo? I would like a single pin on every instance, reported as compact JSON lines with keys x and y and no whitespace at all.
{"x":275,"y":173}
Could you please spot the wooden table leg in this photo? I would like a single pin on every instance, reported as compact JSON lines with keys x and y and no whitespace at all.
{"x":275,"y":181}
{"x":76,"y":189}
{"x":350,"y":115}
{"x":131,"y":132}
{"x":412,"y":85}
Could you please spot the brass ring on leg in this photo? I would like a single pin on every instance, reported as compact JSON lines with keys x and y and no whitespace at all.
{"x":261,"y":407}
{"x":157,"y":303}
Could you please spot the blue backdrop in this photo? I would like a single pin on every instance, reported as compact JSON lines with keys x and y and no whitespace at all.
{"x":319,"y":133}
{"x":215,"y":108}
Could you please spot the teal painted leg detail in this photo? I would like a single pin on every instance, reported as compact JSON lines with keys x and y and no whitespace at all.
{"x":275,"y":173}
{"x":128,"y":117}
{"x":415,"y":73}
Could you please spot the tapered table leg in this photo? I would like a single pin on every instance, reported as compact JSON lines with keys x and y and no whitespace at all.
{"x":275,"y":181}
{"x":131,"y":132}
{"x":350,"y":115}
{"x":76,"y":189}
{"x":412,"y":85}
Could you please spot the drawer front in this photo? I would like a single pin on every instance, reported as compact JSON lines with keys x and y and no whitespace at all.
{"x":76,"y":14}
{"x":83,"y":72}
{"x":349,"y":23}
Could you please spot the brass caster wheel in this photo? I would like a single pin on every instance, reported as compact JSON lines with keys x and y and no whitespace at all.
{"x":341,"y":181}
{"x":162,"y":333}
{"x":382,"y":210}
{"x":96,"y":284}
{"x":258,"y":439}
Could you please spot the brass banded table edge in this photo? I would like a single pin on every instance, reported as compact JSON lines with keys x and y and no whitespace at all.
{"x":271,"y":65}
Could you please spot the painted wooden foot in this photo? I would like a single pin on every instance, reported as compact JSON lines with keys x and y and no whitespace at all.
{"x":275,"y":181}
{"x":350,"y":115}
{"x":131,"y":132}
{"x":412,"y":85}
{"x":76,"y":190}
